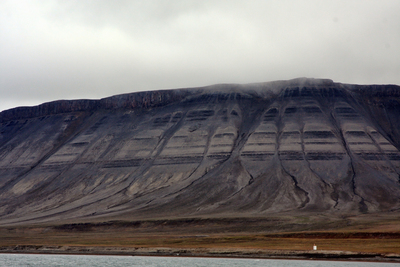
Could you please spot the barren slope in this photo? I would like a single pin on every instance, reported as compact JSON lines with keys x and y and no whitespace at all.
{"x":302,"y":145}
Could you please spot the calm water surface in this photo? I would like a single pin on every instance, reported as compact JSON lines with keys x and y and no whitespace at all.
{"x":11,"y":260}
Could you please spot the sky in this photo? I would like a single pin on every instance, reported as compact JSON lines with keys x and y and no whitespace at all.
{"x":74,"y":49}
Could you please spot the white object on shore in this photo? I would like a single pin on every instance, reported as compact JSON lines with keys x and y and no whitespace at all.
{"x":314,"y":247}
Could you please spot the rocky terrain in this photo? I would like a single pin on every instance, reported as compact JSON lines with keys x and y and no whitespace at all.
{"x":301,"y":146}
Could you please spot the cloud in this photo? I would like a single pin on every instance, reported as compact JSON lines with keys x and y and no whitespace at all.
{"x":91,"y":49}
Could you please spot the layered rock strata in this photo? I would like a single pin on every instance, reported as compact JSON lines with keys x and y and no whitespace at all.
{"x":302,"y":145}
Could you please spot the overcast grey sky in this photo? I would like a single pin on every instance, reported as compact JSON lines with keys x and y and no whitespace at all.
{"x":52,"y":50}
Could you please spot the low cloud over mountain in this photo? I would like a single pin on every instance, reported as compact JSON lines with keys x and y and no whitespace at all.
{"x":297,"y":146}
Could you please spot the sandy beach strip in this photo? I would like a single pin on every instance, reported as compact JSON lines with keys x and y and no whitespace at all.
{"x":204,"y":252}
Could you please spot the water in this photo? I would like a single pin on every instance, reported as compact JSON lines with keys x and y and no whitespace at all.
{"x":22,"y":260}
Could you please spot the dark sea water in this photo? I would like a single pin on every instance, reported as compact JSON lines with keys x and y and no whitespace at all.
{"x":11,"y":260}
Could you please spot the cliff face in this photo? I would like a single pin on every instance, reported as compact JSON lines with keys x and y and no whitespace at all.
{"x":294,"y":146}
{"x":140,"y":100}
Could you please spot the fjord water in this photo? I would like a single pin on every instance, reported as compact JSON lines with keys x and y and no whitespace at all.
{"x":22,"y":260}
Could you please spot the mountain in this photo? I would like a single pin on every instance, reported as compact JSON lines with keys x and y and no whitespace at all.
{"x":302,"y":146}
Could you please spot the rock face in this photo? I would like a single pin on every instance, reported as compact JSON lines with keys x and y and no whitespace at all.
{"x":298,"y":146}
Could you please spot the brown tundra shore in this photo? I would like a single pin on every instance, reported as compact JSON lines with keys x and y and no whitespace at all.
{"x":362,"y":239}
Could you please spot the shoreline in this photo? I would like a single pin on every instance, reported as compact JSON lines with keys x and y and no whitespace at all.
{"x":203,"y":252}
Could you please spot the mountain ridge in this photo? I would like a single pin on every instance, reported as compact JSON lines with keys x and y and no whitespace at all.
{"x":296,"y":146}
{"x":153,"y":98}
